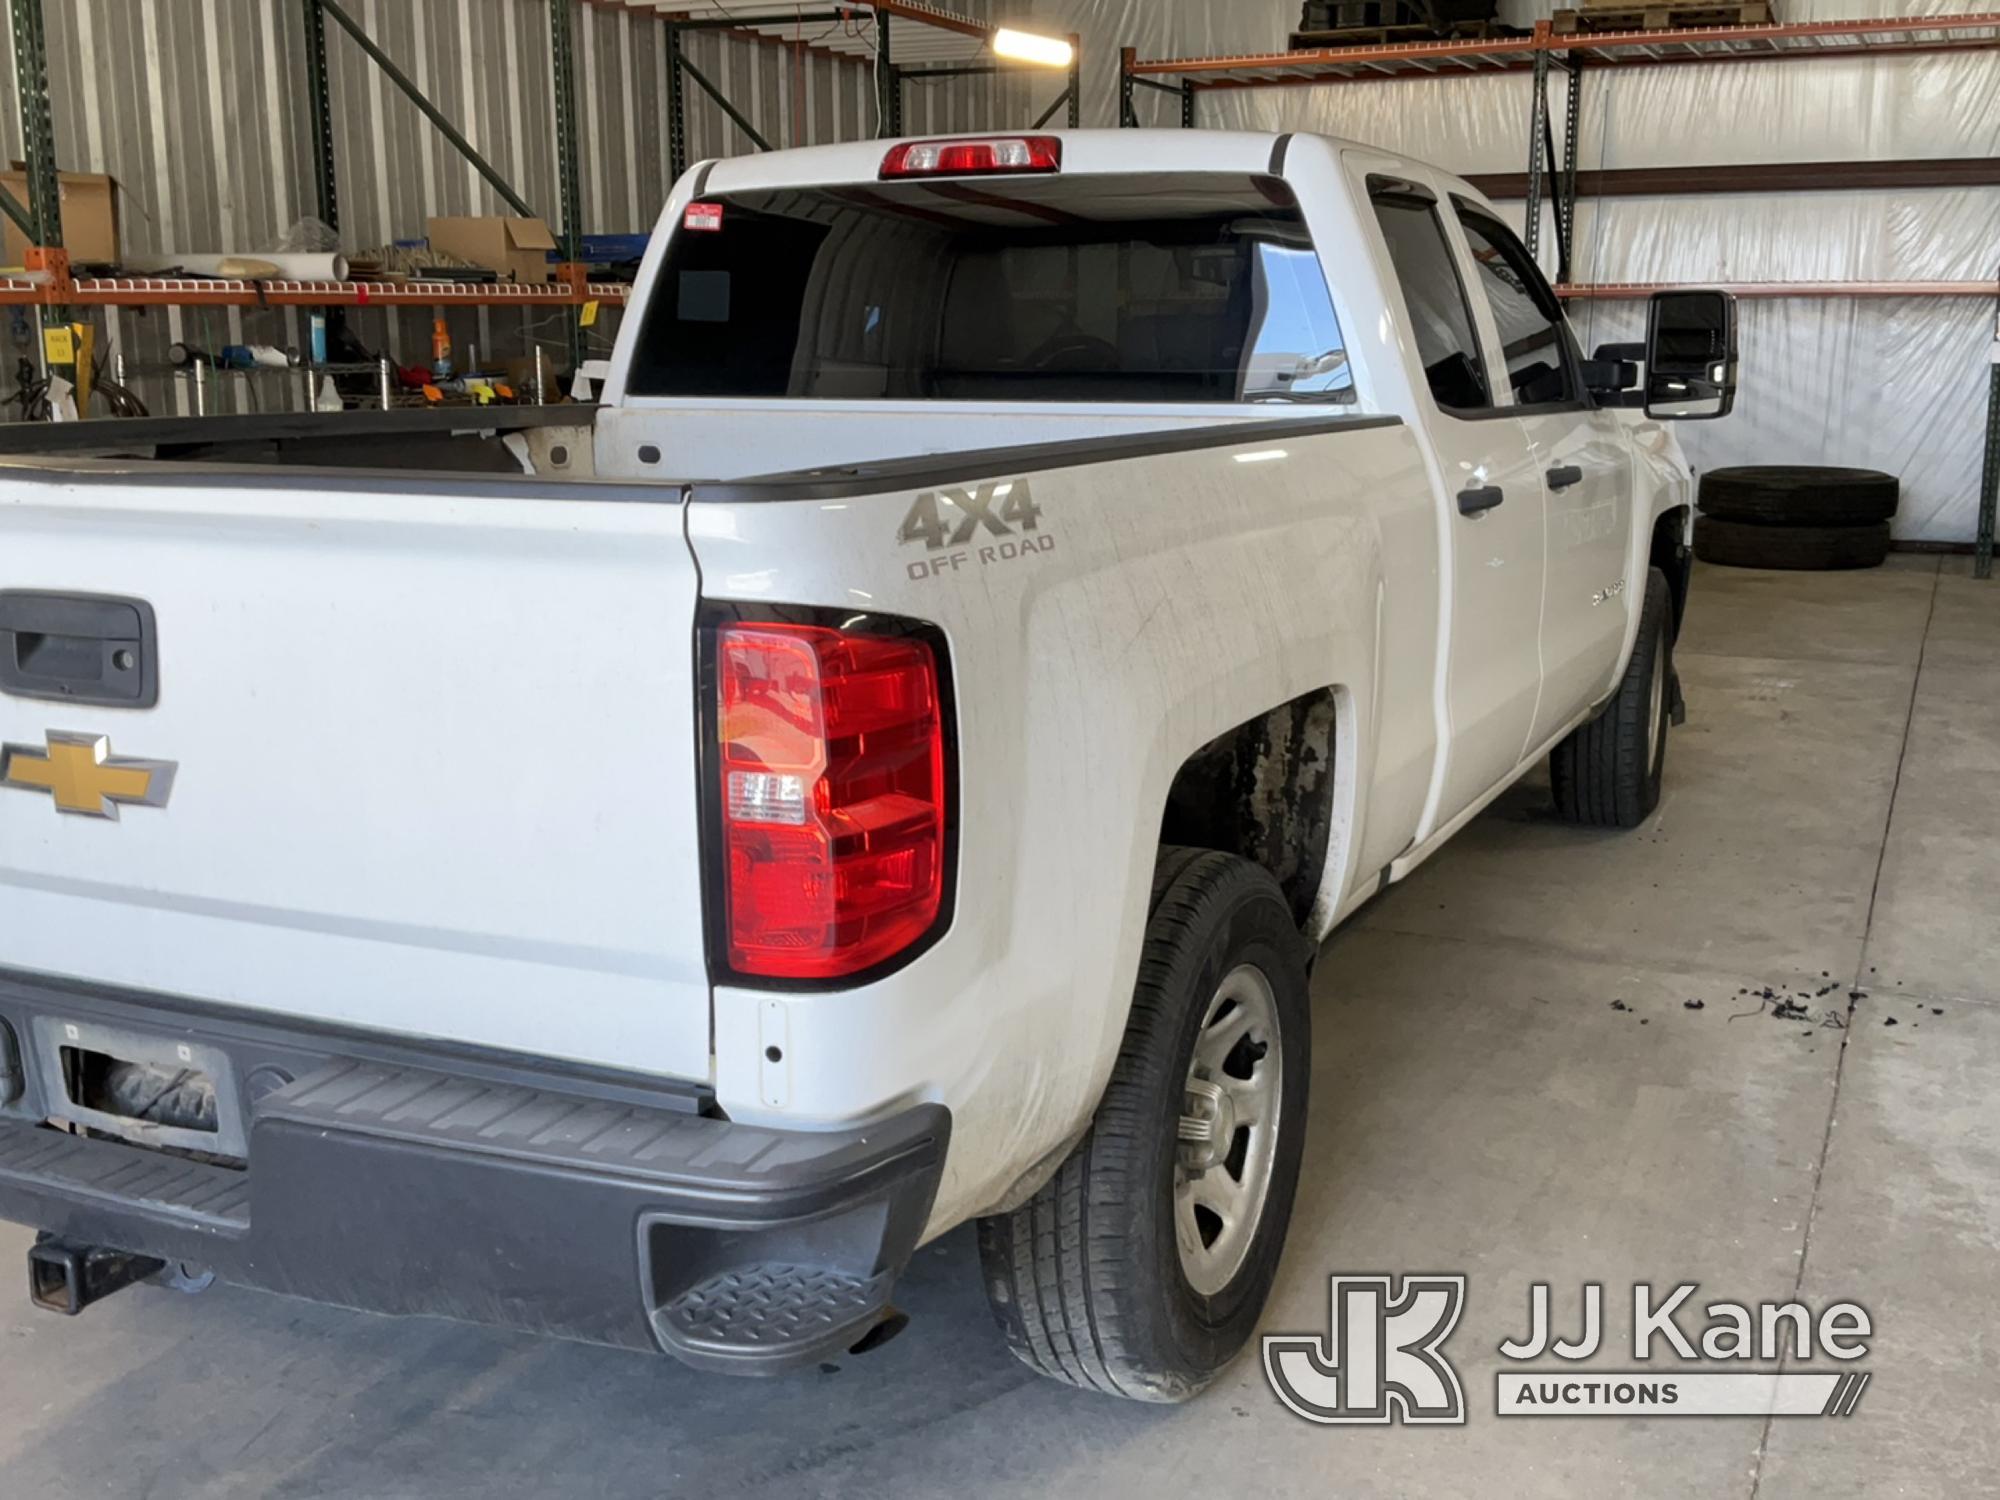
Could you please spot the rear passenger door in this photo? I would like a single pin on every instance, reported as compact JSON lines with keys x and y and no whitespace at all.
{"x":1492,"y":491}
{"x":1584,"y":464}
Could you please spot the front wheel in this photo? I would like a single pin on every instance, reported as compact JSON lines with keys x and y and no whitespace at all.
{"x":1607,"y":773}
{"x":1140,"y":1269}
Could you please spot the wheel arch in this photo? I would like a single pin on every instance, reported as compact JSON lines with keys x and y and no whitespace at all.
{"x":1671,"y":552}
{"x":1269,"y":790}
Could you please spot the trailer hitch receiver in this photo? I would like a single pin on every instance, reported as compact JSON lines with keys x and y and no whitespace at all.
{"x":66,"y":1278}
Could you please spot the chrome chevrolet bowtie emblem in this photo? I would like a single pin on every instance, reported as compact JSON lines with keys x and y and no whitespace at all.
{"x":83,"y":776}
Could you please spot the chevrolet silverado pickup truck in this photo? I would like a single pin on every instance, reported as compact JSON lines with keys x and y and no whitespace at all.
{"x":634,"y":871}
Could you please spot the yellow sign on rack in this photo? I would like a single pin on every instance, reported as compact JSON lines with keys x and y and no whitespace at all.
{"x":59,"y":346}
{"x":588,"y":318}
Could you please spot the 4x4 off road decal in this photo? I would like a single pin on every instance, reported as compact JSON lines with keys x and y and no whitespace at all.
{"x":974,"y":526}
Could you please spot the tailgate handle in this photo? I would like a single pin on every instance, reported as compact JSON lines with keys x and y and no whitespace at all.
{"x":79,"y":648}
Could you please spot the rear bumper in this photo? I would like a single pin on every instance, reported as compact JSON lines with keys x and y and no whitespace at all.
{"x":397,"y":1179}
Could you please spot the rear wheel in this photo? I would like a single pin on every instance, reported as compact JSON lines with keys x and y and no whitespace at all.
{"x":1140,"y":1269}
{"x":1607,"y":773}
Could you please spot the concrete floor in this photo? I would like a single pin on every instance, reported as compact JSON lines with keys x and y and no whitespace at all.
{"x":1831,"y":818}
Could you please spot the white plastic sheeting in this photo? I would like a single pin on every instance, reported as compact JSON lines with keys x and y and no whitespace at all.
{"x":1891,"y":383}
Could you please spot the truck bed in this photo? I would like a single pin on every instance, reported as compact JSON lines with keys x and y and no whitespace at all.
{"x":467,"y":440}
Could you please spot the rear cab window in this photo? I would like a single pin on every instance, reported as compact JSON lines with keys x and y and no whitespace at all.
{"x":1434,"y":292}
{"x":1154,"y":288}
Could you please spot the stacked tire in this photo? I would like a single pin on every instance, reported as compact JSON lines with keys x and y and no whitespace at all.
{"x":1796,"y":517}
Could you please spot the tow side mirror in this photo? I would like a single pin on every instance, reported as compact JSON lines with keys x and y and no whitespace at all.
{"x":1691,"y":356}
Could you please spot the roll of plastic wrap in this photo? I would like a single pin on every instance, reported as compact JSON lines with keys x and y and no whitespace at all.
{"x":275,"y":266}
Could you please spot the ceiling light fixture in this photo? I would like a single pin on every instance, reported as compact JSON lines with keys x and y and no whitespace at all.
{"x":1027,"y":46}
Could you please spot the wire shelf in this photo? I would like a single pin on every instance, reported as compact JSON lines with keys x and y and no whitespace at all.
{"x":1887,"y":35}
{"x":192,"y":291}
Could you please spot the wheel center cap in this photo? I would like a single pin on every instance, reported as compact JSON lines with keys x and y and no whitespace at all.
{"x":1207,"y":1125}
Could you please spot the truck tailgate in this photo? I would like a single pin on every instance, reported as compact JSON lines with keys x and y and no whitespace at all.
{"x":432,"y":749}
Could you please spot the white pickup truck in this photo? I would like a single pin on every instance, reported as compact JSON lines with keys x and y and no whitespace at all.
{"x":634,"y":872}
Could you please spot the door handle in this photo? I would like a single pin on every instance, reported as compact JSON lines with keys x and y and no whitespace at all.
{"x":1477,"y":502}
{"x":78,"y":648}
{"x":1563,"y":477}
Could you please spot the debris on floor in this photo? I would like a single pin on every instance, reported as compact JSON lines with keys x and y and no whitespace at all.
{"x":1797,"y":1004}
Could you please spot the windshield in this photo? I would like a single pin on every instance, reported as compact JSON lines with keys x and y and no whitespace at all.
{"x":1188,"y":287}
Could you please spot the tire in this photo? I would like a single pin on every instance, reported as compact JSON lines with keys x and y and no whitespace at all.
{"x":1087,"y":1279}
{"x":1607,"y":773}
{"x":1798,"y":495}
{"x":1822,"y":549}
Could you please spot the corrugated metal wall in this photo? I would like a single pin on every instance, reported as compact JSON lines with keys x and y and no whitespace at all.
{"x":199,"y":109}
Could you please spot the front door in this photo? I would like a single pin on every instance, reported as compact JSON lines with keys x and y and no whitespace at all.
{"x":1585,"y":470}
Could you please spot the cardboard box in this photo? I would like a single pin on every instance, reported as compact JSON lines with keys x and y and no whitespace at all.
{"x":517,"y":248}
{"x":89,"y":216}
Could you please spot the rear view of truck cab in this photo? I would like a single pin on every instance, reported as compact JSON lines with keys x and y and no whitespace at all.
{"x":898,"y":779}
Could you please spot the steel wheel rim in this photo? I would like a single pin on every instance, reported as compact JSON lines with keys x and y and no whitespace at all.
{"x":1227,"y":1148}
{"x":1655,"y":718}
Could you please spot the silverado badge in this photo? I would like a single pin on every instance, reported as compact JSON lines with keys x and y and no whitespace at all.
{"x":84,"y":777}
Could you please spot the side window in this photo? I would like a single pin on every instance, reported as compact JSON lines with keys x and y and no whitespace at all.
{"x":1539,"y":366}
{"x":1431,"y":287}
{"x":1297,"y":353}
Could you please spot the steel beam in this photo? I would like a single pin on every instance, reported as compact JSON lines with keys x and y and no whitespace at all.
{"x":1989,"y":482}
{"x":1129,"y":84}
{"x":927,"y":15}
{"x":736,"y":23}
{"x":888,"y":86}
{"x":1495,"y":54}
{"x":1757,"y":177}
{"x":17,"y":211}
{"x":320,"y":98}
{"x":38,"y":146}
{"x":722,"y":101}
{"x":1538,"y":120}
{"x":1566,"y":188}
{"x":1555,"y":181}
{"x":38,"y":135}
{"x":677,"y":121}
{"x":326,"y":178}
{"x":429,"y":110}
{"x":965,"y":70}
{"x":569,"y":179}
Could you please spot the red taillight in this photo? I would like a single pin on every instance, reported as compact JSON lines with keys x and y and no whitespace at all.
{"x":1010,"y":153}
{"x":833,"y":797}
